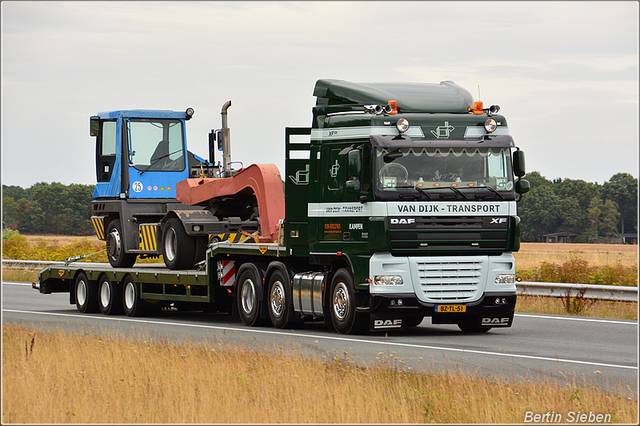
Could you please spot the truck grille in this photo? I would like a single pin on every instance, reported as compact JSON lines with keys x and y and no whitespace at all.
{"x":449,"y":235}
{"x":449,"y":281}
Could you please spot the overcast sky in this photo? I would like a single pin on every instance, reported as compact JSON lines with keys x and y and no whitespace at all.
{"x":565,"y":74}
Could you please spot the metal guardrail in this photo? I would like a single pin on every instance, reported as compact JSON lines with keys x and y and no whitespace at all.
{"x":591,"y":291}
{"x":529,"y":288}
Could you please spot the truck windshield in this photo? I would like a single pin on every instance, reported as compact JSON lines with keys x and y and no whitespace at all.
{"x":156,"y":144}
{"x":461,"y":171}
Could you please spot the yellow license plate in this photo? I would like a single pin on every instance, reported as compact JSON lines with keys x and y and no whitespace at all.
{"x":451,"y":308}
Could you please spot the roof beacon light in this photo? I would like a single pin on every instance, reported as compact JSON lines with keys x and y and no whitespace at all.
{"x":402,"y":125}
{"x":391,"y":108}
{"x":490,"y":125}
{"x":477,"y":108}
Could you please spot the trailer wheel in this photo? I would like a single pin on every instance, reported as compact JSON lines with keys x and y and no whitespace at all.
{"x":115,"y":247}
{"x":248,"y":295}
{"x":178,"y":248}
{"x":133,"y":305}
{"x":109,"y":296}
{"x":86,"y":294}
{"x":280,"y":302}
{"x":343,"y":304}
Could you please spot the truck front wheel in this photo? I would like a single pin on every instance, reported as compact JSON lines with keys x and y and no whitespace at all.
{"x":343,"y":304}
{"x":115,"y":247}
{"x":178,"y":248}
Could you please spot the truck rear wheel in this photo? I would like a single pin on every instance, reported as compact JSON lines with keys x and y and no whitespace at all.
{"x":115,"y":247}
{"x":178,"y":248}
{"x":249,"y":289}
{"x":109,"y":296}
{"x":86,"y":294}
{"x":343,"y":304}
{"x":280,"y":302}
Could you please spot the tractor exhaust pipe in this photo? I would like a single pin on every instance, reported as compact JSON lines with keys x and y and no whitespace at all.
{"x":226,"y":141}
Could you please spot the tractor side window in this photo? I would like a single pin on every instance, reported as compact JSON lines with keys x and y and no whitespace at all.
{"x":106,"y":151}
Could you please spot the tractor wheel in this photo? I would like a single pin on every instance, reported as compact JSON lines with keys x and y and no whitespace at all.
{"x":178,"y":248}
{"x":115,"y":247}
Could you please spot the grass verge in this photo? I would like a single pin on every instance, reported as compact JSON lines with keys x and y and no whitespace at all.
{"x":54,"y":377}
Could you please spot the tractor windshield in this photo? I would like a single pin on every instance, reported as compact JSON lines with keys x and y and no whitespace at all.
{"x":461,"y":171}
{"x":156,"y":144}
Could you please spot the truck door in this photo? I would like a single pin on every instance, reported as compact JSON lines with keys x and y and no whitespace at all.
{"x":156,"y":156}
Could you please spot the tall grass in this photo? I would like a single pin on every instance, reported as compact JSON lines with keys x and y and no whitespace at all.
{"x":53,"y":377}
{"x":18,"y":246}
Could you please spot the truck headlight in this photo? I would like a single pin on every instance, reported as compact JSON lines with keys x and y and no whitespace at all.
{"x":388,"y":280}
{"x":505,"y":279}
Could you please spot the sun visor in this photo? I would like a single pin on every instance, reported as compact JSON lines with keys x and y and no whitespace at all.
{"x":403,"y":141}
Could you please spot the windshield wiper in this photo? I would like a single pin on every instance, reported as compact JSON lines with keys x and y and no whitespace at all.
{"x":158,"y":159}
{"x":480,"y":196}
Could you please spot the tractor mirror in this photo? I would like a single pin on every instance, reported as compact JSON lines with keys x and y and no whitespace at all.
{"x":95,"y":126}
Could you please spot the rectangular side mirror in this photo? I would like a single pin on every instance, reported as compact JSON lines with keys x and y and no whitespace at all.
{"x":518,"y":163}
{"x":354,"y":162}
{"x":94,"y":126}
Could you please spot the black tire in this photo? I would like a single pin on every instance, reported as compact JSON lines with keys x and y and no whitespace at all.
{"x":86,"y":294}
{"x":109,"y":296}
{"x":280,"y":300}
{"x":178,"y":248}
{"x":248,"y":294}
{"x":131,"y":302}
{"x":469,"y":325}
{"x":115,"y":247}
{"x":200,"y":250}
{"x":343,"y":304}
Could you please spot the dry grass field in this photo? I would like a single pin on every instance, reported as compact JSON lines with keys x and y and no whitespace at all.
{"x":61,"y":378}
{"x":532,"y":255}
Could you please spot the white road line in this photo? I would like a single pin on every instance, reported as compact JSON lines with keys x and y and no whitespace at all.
{"x":570,"y":318}
{"x":335,"y":338}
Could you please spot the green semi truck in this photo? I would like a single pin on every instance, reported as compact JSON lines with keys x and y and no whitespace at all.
{"x":399,"y":203}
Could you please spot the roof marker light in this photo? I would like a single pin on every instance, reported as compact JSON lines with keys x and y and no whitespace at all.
{"x":477,"y":108}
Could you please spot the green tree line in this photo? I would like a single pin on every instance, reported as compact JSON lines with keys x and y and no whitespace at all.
{"x":587,"y":210}
{"x":48,"y":208}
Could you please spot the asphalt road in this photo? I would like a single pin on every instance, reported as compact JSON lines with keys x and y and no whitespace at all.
{"x":537,"y":347}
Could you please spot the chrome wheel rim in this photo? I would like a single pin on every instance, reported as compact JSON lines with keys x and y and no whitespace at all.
{"x":248,"y":296}
{"x":277,"y":299}
{"x":340,"y":301}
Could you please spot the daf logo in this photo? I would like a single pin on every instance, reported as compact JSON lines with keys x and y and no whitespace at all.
{"x":403,"y":221}
{"x":396,"y":323}
{"x":498,"y":220}
{"x":495,"y":321}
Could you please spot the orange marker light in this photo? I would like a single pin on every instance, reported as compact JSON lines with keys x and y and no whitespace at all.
{"x":477,"y":107}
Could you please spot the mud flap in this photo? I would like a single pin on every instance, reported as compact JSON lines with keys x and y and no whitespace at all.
{"x":387,"y":321}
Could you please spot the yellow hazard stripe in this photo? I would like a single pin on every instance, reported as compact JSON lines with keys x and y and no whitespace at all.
{"x":234,"y":237}
{"x":98,"y":226}
{"x":148,"y":241}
